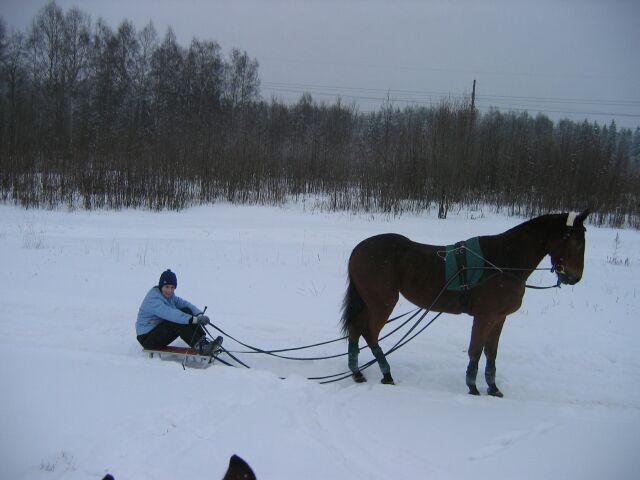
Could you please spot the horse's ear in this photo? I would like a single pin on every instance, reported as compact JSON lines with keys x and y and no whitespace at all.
{"x":581,"y":218}
{"x":238,"y":470}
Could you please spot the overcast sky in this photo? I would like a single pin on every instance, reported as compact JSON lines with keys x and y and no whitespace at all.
{"x":568,"y":58}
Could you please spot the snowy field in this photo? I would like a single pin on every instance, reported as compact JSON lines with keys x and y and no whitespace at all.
{"x":80,"y":399}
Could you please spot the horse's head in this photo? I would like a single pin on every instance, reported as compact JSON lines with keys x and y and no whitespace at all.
{"x":566,"y":245}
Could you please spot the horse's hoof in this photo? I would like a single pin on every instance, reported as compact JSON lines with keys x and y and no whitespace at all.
{"x":387,"y":379}
{"x":358,"y":377}
{"x":473,"y":390}
{"x":494,"y":391}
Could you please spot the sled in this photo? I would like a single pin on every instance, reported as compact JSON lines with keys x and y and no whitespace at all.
{"x":186,"y":355}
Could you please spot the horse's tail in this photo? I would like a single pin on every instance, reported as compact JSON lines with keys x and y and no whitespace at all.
{"x":352,"y":305}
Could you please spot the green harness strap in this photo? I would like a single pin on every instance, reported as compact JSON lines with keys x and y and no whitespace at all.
{"x":463,"y":265}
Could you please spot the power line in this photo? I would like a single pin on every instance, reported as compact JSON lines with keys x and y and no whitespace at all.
{"x":424,"y":97}
{"x":626,"y":103}
{"x":426,"y":93}
{"x":566,"y":112}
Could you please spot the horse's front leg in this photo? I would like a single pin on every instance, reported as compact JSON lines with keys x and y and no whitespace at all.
{"x":491,"y":352}
{"x":476,"y":344}
{"x":484,"y":336}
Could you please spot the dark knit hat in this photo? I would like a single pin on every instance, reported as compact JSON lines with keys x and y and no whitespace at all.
{"x":168,"y":278}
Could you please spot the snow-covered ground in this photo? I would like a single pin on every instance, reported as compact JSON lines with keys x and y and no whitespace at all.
{"x":79,"y":398}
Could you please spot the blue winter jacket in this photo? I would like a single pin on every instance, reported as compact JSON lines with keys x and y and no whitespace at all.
{"x":155,"y":308}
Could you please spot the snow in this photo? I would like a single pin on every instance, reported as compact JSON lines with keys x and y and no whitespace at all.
{"x":80,"y":399}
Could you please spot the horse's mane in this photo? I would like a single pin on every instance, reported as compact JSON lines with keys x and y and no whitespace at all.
{"x":537,"y":222}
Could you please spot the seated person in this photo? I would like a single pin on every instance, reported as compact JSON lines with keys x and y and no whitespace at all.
{"x":163,"y":317}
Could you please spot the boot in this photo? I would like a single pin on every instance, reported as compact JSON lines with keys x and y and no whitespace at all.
{"x":206,"y":348}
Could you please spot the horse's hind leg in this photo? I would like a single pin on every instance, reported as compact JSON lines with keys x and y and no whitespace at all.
{"x":371,"y":336}
{"x":365,"y":325}
{"x":382,"y":363}
{"x":355,"y":321}
{"x":353,"y":353}
{"x":357,"y":327}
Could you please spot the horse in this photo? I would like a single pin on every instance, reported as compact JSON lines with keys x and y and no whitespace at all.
{"x":384,"y":266}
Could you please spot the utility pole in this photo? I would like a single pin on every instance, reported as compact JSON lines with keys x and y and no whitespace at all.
{"x":473,"y":95}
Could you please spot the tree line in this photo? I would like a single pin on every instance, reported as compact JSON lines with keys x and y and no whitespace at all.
{"x":92,"y":117}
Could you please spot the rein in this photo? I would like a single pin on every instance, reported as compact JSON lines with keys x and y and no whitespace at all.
{"x":275,"y":352}
{"x":508,"y":270}
{"x":504,"y":270}
{"x":406,"y":338}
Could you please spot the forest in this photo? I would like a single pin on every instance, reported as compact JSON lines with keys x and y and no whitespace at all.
{"x":94,"y":117}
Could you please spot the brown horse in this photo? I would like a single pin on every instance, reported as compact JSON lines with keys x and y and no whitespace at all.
{"x":384,"y":266}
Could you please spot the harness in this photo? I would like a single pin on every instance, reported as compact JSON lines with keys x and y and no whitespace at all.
{"x":464,"y":265}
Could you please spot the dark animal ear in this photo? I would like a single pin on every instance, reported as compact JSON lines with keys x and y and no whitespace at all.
{"x":581,"y":218}
{"x":239,"y":470}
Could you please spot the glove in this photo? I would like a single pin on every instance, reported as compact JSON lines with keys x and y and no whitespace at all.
{"x":201,"y":320}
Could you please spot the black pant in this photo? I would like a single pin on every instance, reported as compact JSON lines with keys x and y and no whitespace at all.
{"x":166,"y":332}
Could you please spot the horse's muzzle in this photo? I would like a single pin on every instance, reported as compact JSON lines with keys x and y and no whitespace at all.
{"x":566,"y":276}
